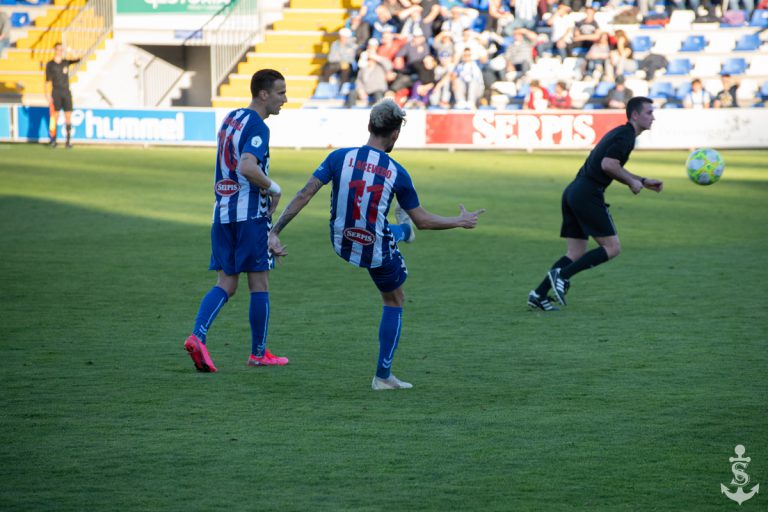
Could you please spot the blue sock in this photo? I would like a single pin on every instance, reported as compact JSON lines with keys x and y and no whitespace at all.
{"x":258,"y":314}
{"x":400,"y":231}
{"x":389,"y":335}
{"x":209,"y":308}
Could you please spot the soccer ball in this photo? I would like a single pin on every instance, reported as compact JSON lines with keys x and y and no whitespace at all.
{"x":705,"y":166}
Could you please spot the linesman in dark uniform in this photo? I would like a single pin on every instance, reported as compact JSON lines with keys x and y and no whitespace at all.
{"x":585,"y":213}
{"x":57,"y":92}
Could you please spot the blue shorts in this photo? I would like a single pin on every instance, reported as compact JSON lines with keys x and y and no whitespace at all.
{"x":241,"y":247}
{"x":391,"y":275}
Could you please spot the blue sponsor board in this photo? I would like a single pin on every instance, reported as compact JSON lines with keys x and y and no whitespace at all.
{"x":127,"y":126}
{"x":5,"y":123}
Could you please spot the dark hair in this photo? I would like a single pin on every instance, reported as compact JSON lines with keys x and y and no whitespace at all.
{"x":636,"y":105}
{"x":264,"y":80}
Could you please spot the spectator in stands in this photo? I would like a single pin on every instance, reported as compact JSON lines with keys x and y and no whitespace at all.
{"x":621,"y":55}
{"x":362,"y":21}
{"x":562,"y":30}
{"x":342,"y":57}
{"x":425,"y":82}
{"x":525,"y":15}
{"x":726,"y":98}
{"x":537,"y":97}
{"x":443,"y":44}
{"x":415,"y":24}
{"x":499,"y":15}
{"x":5,"y":32}
{"x":371,"y":80}
{"x":619,"y":95}
{"x":457,"y":19}
{"x":408,"y":59}
{"x":431,"y":13}
{"x":747,"y":5}
{"x":384,"y":21}
{"x":443,"y":90}
{"x":697,"y":97}
{"x":599,"y":59}
{"x":586,"y":32}
{"x":468,"y":86}
{"x":651,"y":64}
{"x":561,"y":98}
{"x":519,"y":53}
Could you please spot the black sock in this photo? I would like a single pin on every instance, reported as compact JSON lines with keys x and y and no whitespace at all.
{"x":69,"y":132}
{"x":544,"y":287}
{"x":591,"y":259}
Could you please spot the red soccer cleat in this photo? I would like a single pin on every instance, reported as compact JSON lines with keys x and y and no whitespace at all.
{"x":199,"y":354}
{"x":268,"y":359}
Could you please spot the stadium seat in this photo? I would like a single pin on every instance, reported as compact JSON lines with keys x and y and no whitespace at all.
{"x":758,"y":66}
{"x":661,"y":91}
{"x":693,"y":44}
{"x":681,"y":19}
{"x":763,"y":92}
{"x":720,"y":42}
{"x":593,"y":106}
{"x":346,"y":88}
{"x":734,"y":66}
{"x":706,"y":66}
{"x":734,"y":18}
{"x":759,"y":18}
{"x":602,"y":89}
{"x":325,"y":91}
{"x":682,"y":89}
{"x":672,"y":104}
{"x":748,"y":43}
{"x":20,"y":19}
{"x":641,"y":43}
{"x":679,"y":67}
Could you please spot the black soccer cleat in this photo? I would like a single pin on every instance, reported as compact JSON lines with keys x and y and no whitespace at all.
{"x":559,"y":285}
{"x":542,"y":303}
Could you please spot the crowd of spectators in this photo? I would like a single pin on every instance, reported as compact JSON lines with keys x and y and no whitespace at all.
{"x":449,"y":53}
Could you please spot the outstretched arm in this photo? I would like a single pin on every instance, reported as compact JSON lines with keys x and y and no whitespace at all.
{"x":427,"y":220}
{"x":613,"y":168}
{"x":298,"y":202}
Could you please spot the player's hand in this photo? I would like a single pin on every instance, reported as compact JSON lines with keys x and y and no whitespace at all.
{"x":277,"y":248}
{"x":655,"y":185}
{"x":468,"y":220}
{"x":635,"y":186}
{"x":275,"y":200}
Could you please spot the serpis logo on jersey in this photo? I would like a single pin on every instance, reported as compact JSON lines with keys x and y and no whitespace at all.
{"x":256,"y":141}
{"x":359,"y":236}
{"x":227,"y":187}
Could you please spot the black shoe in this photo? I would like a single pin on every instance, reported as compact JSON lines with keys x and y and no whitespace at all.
{"x":53,"y":144}
{"x":559,"y":285}
{"x":68,"y":145}
{"x":544,"y":304}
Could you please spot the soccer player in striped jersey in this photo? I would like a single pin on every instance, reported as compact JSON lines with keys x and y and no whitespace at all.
{"x":245,"y":198}
{"x":585,"y":213}
{"x":365,"y":181}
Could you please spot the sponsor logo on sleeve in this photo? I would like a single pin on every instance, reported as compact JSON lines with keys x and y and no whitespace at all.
{"x":256,"y":141}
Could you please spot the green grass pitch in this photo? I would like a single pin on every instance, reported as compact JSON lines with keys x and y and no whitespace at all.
{"x":630,"y":399}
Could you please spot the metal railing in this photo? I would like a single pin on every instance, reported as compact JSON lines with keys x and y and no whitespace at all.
{"x":231,"y":35}
{"x":88,"y":29}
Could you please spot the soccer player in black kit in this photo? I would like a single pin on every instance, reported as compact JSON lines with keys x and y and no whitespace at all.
{"x":585,"y":213}
{"x":57,"y":91}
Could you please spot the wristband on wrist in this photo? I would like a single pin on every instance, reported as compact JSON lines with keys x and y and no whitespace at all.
{"x":274,"y":188}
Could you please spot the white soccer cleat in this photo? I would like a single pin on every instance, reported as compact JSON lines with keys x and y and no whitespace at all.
{"x":402,"y":218}
{"x":391,"y":383}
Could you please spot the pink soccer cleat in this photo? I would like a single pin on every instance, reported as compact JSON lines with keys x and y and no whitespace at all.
{"x":268,"y":359}
{"x":199,"y":354}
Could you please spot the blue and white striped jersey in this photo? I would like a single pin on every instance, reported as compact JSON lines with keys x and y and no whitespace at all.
{"x":365,"y":181}
{"x":243,"y":131}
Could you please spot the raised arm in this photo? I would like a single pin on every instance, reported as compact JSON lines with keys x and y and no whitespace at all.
{"x":614,"y":169}
{"x":427,"y":220}
{"x":298,"y":202}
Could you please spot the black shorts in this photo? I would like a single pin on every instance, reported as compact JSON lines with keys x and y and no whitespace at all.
{"x":585,"y":212}
{"x":62,"y":100}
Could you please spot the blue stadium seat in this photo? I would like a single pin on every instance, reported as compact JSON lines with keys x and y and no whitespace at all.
{"x":593,"y":106}
{"x":682,"y":90}
{"x":759,"y":18}
{"x":641,"y":43}
{"x":679,"y":67}
{"x":602,"y":89}
{"x":734,"y":66}
{"x":325,"y":91}
{"x":20,"y":19}
{"x":672,"y":104}
{"x":748,"y":43}
{"x":346,"y":88}
{"x":661,"y":91}
{"x":763,"y":92}
{"x":693,"y":44}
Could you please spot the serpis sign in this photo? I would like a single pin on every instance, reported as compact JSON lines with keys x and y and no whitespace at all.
{"x":107,"y":125}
